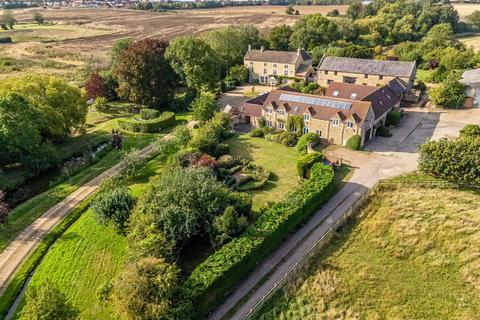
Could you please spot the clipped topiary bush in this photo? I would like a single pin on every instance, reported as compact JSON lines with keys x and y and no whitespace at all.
{"x":288,"y":138}
{"x":165,"y":120}
{"x":307,"y":138}
{"x":212,"y":279}
{"x":148,"y":114}
{"x":393,"y":118}
{"x":305,"y":162}
{"x":384,"y":132}
{"x":354,"y":142}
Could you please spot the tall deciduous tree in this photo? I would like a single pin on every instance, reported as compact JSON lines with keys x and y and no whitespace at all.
{"x":450,"y":93}
{"x":205,"y":106}
{"x":279,"y":37}
{"x":62,"y":107}
{"x":231,"y":43}
{"x":118,"y":48}
{"x":47,"y":302}
{"x":195,"y":62}
{"x":144,"y":75}
{"x":96,"y":87}
{"x":312,"y":31}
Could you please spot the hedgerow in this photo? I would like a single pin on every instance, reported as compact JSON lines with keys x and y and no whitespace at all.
{"x":211,"y":280}
{"x":165,"y":120}
{"x":305,"y":162}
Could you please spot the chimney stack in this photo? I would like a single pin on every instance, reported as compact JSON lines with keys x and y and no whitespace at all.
{"x":249,"y":47}
{"x":262,"y":48}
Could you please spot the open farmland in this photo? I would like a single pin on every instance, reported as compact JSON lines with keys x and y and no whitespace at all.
{"x":410,"y":254}
{"x":465,"y":9}
{"x":78,"y":39}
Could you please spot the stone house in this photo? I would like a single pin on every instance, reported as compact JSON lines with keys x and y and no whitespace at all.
{"x":271,"y":67}
{"x":366,"y":72}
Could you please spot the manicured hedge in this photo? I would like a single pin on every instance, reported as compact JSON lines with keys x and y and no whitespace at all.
{"x":354,"y":142}
{"x":305,"y":162}
{"x":165,"y":120}
{"x":213,"y":278}
{"x":148,"y":114}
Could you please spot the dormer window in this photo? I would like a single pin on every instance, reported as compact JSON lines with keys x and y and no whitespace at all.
{"x":306,"y":117}
{"x":264,"y":64}
{"x":335,"y":122}
{"x":268,"y":110}
{"x":353,"y":96}
{"x":286,"y":66}
{"x":274,"y":65}
{"x":335,"y":93}
{"x":349,"y":124}
{"x":281,"y":112}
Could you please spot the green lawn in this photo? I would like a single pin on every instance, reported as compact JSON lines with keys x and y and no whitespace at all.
{"x":279,"y":159}
{"x":412,"y":253}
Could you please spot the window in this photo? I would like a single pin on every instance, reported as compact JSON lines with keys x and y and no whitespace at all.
{"x":264,"y":64}
{"x":265,"y":71}
{"x":306,"y":117}
{"x":318,"y":132}
{"x":274,"y":65}
{"x":286,"y":66}
{"x":380,"y":77}
{"x":326,"y":72}
{"x":353,"y":96}
{"x":335,"y":122}
{"x":335,"y":93}
{"x":268,"y":110}
{"x":349,"y":124}
{"x":269,"y":123}
{"x":274,"y":72}
{"x":294,"y":129}
{"x":285,"y":81}
{"x":281,"y":112}
{"x":349,"y":80}
{"x":329,"y":81}
{"x":305,"y":130}
{"x":365,"y":76}
{"x":285,"y":73}
{"x":281,"y":126}
{"x":335,"y":73}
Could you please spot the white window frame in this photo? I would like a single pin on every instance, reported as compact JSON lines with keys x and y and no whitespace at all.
{"x":285,"y":73}
{"x":274,"y":65}
{"x":319,"y":132}
{"x":281,"y":126}
{"x":268,"y":110}
{"x":335,"y":122}
{"x":349,"y":124}
{"x":274,"y":72}
{"x":306,"y":130}
{"x":306,"y":117}
{"x":265,"y":71}
{"x":285,"y":66}
{"x":264,"y":64}
{"x":281,"y":112}
{"x":269,"y":123}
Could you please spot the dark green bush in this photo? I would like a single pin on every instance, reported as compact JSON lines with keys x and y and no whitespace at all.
{"x":306,"y":139}
{"x":470,"y":130}
{"x":393,"y":118}
{"x":149,"y":114}
{"x":113,"y":206}
{"x":354,"y":142}
{"x":212,"y":279}
{"x":384,"y":132}
{"x":165,"y":120}
{"x":257,"y":133}
{"x":453,"y":159}
{"x":305,"y":162}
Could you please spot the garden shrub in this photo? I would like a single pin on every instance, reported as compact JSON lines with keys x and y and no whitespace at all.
{"x":288,"y":138}
{"x":393,"y":118}
{"x":305,"y":162}
{"x":306,"y":139}
{"x":242,"y":202}
{"x":257,"y":133}
{"x":383,"y":131}
{"x":165,"y":120}
{"x":226,"y":226}
{"x":133,"y":163}
{"x":453,"y":159}
{"x":148,"y":114}
{"x":227,"y":161}
{"x":113,"y":206}
{"x":255,"y":178}
{"x":209,"y":137}
{"x":273,"y":137}
{"x":470,"y":130}
{"x":354,"y":142}
{"x":212,"y":279}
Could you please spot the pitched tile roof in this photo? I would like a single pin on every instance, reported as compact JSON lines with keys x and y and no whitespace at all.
{"x":471,"y":76}
{"x":382,"y":98}
{"x":276,"y":56}
{"x":307,"y":103}
{"x":367,"y":66}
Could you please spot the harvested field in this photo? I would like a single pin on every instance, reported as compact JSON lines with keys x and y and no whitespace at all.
{"x":465,"y":9}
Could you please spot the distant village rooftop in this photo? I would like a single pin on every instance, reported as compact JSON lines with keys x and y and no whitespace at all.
{"x":368,"y":66}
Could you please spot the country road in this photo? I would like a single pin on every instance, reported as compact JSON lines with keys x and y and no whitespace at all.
{"x":18,"y":250}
